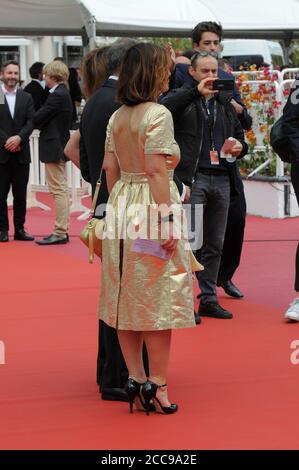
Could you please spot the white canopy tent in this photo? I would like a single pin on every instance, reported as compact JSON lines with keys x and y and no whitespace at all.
{"x":267,"y":19}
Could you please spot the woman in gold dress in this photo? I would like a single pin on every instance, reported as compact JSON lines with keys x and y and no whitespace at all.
{"x":144,"y":296}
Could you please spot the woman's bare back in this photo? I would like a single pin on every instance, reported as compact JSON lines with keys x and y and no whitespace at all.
{"x":128,"y":137}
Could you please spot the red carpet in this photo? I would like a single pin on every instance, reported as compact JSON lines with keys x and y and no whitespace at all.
{"x":233,"y":380}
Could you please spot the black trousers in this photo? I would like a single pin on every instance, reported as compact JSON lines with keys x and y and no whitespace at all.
{"x":234,"y":235}
{"x":213,"y":192}
{"x":13,"y":175}
{"x":112,"y":371}
{"x":295,"y":183}
{"x":111,"y":368}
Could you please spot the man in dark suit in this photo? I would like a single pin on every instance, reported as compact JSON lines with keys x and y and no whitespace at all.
{"x":93,"y":134}
{"x":16,"y":111}
{"x":36,"y":87}
{"x":54,"y":121}
{"x":111,"y":369}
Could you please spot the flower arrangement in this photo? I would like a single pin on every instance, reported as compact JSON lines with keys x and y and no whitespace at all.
{"x":260,"y":100}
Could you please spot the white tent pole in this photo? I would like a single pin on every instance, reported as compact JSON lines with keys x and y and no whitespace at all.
{"x":90,"y":25}
{"x":92,"y":32}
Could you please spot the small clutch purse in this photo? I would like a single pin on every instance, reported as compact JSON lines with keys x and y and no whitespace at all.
{"x":195,"y":265}
{"x":91,"y":235}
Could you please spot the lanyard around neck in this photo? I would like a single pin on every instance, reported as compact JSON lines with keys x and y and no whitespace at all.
{"x":211,"y":120}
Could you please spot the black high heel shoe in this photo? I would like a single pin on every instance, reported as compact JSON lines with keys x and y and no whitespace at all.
{"x":149,"y":391}
{"x":132,"y":389}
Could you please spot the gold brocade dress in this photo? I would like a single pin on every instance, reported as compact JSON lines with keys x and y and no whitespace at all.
{"x":139,"y":291}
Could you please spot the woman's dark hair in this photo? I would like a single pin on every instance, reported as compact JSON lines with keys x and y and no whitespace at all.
{"x":143,"y":74}
{"x":206,"y":27}
{"x":95,"y":70}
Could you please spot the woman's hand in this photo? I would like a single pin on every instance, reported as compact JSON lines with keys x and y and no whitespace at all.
{"x":170,"y":243}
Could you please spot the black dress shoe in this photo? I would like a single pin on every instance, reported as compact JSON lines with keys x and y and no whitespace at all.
{"x":54,"y":240}
{"x":20,"y":234}
{"x":197,"y":318}
{"x":213,"y":309}
{"x":231,"y":290}
{"x":4,"y":236}
{"x":114,"y":394}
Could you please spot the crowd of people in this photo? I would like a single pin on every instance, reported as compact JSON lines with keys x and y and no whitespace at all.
{"x":164,"y":137}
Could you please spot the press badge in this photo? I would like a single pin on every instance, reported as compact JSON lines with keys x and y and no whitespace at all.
{"x":214,"y":157}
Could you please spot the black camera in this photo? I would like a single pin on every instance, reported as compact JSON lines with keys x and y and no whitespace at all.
{"x":225,"y":84}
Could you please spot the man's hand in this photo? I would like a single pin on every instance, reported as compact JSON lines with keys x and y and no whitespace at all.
{"x":237,"y":149}
{"x":205,"y":86}
{"x":13,"y":143}
{"x":187,"y":194}
{"x":17,"y":149}
{"x":237,"y":106}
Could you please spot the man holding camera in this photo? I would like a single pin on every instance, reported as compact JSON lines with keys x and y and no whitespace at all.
{"x":207,"y":36}
{"x":204,"y":120}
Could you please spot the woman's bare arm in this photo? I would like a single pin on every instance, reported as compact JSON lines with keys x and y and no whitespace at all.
{"x":71,"y":149}
{"x":111,"y":167}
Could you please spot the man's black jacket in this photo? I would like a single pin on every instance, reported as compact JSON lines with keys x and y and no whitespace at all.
{"x":94,"y":121}
{"x":54,"y":121}
{"x":20,"y":124}
{"x":291,"y":120}
{"x":185,"y":105}
{"x":38,"y":93}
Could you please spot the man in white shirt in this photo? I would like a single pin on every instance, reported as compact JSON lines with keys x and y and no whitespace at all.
{"x":16,"y":111}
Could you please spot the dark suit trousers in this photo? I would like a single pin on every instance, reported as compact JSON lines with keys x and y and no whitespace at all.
{"x":213,"y":192}
{"x":295,"y":183}
{"x":111,"y":368}
{"x":112,"y":371}
{"x":13,"y":174}
{"x":234,"y":235}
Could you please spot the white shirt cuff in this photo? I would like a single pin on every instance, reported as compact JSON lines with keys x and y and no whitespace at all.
{"x":183,"y":193}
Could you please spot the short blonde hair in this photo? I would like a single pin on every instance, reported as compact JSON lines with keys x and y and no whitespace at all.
{"x":57,"y":70}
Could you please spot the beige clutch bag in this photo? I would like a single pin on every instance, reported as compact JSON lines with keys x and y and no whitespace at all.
{"x":195,"y":265}
{"x":91,"y":235}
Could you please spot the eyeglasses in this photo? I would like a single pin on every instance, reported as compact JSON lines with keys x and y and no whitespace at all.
{"x":204,"y":54}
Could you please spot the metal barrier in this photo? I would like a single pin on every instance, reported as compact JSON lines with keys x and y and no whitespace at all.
{"x":36,"y":175}
{"x":291,"y":72}
{"x":255,"y":74}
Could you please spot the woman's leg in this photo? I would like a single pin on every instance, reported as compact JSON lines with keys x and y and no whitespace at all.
{"x":131,"y":343}
{"x":158,"y":348}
